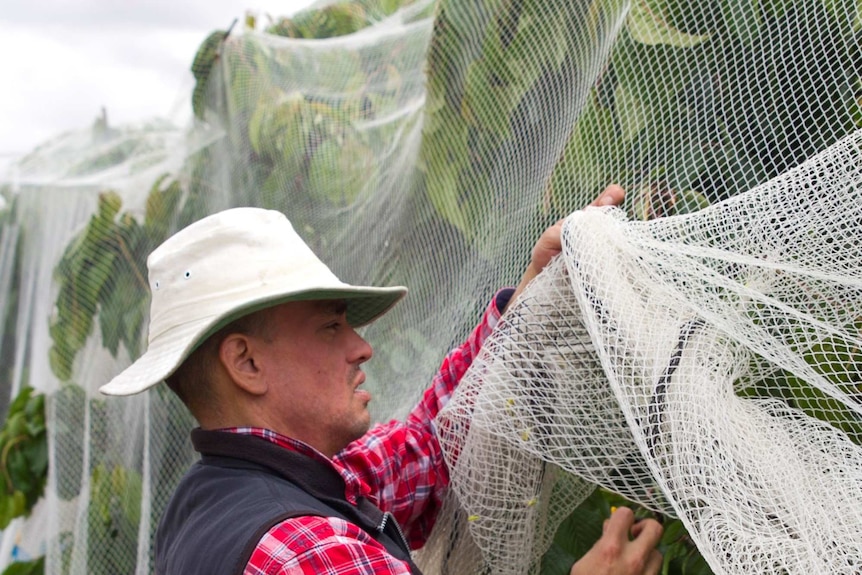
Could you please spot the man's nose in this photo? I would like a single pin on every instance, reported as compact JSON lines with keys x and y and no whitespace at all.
{"x":363,"y":350}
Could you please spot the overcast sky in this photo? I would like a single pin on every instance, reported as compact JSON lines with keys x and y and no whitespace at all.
{"x":62,"y":60}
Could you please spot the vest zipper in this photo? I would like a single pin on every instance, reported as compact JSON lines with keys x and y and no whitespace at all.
{"x":402,"y":538}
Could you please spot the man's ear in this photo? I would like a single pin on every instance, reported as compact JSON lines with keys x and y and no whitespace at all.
{"x":238,"y":356}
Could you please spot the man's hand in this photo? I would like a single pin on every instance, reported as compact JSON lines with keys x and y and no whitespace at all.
{"x":625,"y":548}
{"x":549,"y":243}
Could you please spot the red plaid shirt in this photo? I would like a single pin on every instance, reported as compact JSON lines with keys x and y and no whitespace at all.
{"x":398,"y":465}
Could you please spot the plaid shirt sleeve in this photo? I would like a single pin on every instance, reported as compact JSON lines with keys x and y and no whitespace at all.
{"x":321,"y":546}
{"x":401,"y":468}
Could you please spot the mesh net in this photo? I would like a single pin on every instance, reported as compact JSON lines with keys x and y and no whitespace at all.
{"x":703,"y":366}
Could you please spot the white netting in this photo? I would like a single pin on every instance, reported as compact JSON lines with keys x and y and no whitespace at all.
{"x":428,"y":144}
{"x":701,"y":365}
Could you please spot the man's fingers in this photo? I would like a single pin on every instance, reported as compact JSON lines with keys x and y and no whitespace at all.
{"x":620,"y":524}
{"x":616,"y":553}
{"x":637,"y":528}
{"x":550,"y":244}
{"x":654,"y":563}
{"x":647,"y":534}
{"x":612,"y":196}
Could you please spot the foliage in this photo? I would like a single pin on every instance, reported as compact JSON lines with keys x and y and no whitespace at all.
{"x":115,"y":492}
{"x":583,"y":527}
{"x":837,"y":363}
{"x":337,"y":19}
{"x":326,"y":22}
{"x":653,"y":121}
{"x":113,"y":519}
{"x":103,"y":270}
{"x":202,"y":65}
{"x":23,"y":456}
{"x":477,"y":104}
{"x":659,"y":114}
{"x":10,"y":236}
{"x":70,"y":406}
{"x":102,"y":279}
{"x":102,"y":273}
{"x":330,"y":21}
{"x":34,"y":567}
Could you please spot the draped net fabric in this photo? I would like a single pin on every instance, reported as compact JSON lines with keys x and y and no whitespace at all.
{"x":670,"y":361}
{"x":695,"y":351}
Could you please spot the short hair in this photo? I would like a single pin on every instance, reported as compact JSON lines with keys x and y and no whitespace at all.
{"x":191,"y":381}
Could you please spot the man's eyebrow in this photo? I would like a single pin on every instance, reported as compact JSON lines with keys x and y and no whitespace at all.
{"x":336,"y":307}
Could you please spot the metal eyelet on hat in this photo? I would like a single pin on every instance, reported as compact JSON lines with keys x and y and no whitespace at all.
{"x":188,"y":274}
{"x":157,"y":284}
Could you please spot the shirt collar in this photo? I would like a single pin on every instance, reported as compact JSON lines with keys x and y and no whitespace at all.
{"x":353,"y":486}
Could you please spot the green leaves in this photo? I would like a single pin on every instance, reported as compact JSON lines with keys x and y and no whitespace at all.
{"x":330,"y":21}
{"x":339,"y":170}
{"x":333,"y":20}
{"x":584,"y":167}
{"x":647,"y":25}
{"x":743,"y":19}
{"x":680,"y":556}
{"x":23,"y":456}
{"x":82,"y":274}
{"x":676,"y":108}
{"x":113,"y":516}
{"x":115,"y":496}
{"x":35,"y":567}
{"x":70,"y":406}
{"x":103,"y":271}
{"x":202,"y":66}
{"x":578,"y":532}
{"x":487,"y":99}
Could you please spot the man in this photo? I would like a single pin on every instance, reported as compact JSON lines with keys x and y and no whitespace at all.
{"x":257,"y":337}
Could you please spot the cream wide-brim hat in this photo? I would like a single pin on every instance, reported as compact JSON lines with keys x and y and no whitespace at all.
{"x":226,"y":266}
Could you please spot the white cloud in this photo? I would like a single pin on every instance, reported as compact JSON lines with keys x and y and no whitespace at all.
{"x":96,"y":14}
{"x":63,"y":61}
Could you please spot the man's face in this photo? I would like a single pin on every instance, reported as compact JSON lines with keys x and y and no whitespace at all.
{"x":311,"y":357}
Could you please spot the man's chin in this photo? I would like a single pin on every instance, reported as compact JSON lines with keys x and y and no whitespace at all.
{"x":361,"y":426}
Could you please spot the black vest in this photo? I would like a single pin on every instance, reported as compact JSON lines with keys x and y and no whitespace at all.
{"x":243,"y":486}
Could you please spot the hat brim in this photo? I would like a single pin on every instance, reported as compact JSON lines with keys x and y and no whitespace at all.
{"x":166,"y":354}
